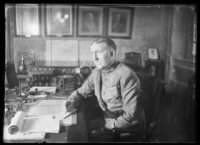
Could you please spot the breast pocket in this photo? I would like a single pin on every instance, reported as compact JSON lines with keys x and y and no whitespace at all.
{"x":113,"y":92}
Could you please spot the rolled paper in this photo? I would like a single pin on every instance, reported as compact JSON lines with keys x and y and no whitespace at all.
{"x":16,"y":122}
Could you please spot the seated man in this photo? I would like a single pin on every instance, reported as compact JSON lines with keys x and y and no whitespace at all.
{"x":116,"y":86}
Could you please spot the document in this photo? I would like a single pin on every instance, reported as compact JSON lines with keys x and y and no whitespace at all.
{"x":45,"y":116}
{"x":47,"y":124}
{"x":67,"y":118}
{"x":47,"y":107}
{"x":16,"y":123}
{"x":22,"y":136}
{"x":27,"y":125}
{"x":56,"y":108}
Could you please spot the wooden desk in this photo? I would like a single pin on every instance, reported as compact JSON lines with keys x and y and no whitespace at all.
{"x":23,"y":80}
{"x":74,"y":133}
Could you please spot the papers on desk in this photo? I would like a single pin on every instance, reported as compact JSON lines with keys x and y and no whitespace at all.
{"x":54,"y":108}
{"x":27,"y":125}
{"x":37,"y":96}
{"x":21,"y":136}
{"x":30,"y":128}
{"x":44,"y":117}
{"x":67,"y":118}
{"x":43,"y":89}
{"x":47,"y":107}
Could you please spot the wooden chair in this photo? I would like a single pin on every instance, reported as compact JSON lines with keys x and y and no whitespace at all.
{"x":147,"y":133}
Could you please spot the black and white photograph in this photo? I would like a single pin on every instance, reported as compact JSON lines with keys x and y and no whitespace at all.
{"x":153,"y":54}
{"x":59,"y":20}
{"x":99,"y":73}
{"x":90,"y":21}
{"x":119,"y":23}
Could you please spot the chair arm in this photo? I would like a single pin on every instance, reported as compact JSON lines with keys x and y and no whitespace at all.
{"x":132,"y":131}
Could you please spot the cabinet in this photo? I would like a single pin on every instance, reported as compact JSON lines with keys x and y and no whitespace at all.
{"x":23,"y":80}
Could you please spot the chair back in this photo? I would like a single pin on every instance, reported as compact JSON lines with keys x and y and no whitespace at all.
{"x":11,"y":76}
{"x":158,"y":94}
{"x":152,"y":93}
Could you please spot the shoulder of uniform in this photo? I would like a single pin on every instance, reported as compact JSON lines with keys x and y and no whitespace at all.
{"x":125,"y":69}
{"x":126,"y":72}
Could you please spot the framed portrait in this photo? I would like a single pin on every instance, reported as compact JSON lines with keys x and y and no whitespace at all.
{"x":153,"y":54}
{"x":27,"y":20}
{"x":59,"y":21}
{"x":119,"y":22}
{"x":90,"y":21}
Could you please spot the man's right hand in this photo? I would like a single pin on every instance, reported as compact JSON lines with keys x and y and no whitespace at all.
{"x":71,"y":105}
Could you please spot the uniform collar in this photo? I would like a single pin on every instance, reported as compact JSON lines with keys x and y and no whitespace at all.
{"x":111,"y":68}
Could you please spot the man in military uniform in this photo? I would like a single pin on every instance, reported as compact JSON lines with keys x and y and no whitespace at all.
{"x":116,"y":86}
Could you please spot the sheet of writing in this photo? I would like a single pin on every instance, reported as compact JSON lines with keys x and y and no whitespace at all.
{"x":46,"y":124}
{"x":47,"y":107}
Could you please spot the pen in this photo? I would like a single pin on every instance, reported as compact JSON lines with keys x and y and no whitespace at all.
{"x":69,"y":113}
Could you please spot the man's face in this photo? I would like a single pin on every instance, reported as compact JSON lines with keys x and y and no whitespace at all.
{"x":101,"y":55}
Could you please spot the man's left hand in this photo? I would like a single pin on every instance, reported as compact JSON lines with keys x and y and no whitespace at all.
{"x":109,"y":123}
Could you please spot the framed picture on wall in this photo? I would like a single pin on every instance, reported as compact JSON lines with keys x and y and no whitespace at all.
{"x":27,"y":20}
{"x":59,"y":21}
{"x":90,"y":21}
{"x":153,"y":54}
{"x":119,"y":22}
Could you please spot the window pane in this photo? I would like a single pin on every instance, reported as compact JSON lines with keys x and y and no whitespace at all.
{"x":27,"y":19}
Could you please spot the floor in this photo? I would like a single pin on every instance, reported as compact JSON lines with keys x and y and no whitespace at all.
{"x":172,"y":128}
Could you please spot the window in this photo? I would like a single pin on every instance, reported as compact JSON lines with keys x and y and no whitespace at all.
{"x":194,"y":38}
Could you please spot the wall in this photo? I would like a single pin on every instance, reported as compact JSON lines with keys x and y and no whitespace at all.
{"x":146,"y":33}
{"x":181,"y":70}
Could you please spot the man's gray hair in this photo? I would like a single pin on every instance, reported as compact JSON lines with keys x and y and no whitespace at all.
{"x":109,"y":42}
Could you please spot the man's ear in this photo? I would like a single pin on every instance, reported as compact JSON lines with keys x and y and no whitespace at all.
{"x":111,"y":53}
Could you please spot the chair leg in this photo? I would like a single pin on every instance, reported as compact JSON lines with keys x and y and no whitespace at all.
{"x":115,"y":136}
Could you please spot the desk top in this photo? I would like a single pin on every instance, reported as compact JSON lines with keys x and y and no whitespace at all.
{"x":73,"y":133}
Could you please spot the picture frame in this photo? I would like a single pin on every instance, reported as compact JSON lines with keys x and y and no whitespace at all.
{"x":27,"y":20}
{"x":153,"y":54}
{"x":59,"y":20}
{"x":90,"y":21}
{"x":120,"y":22}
